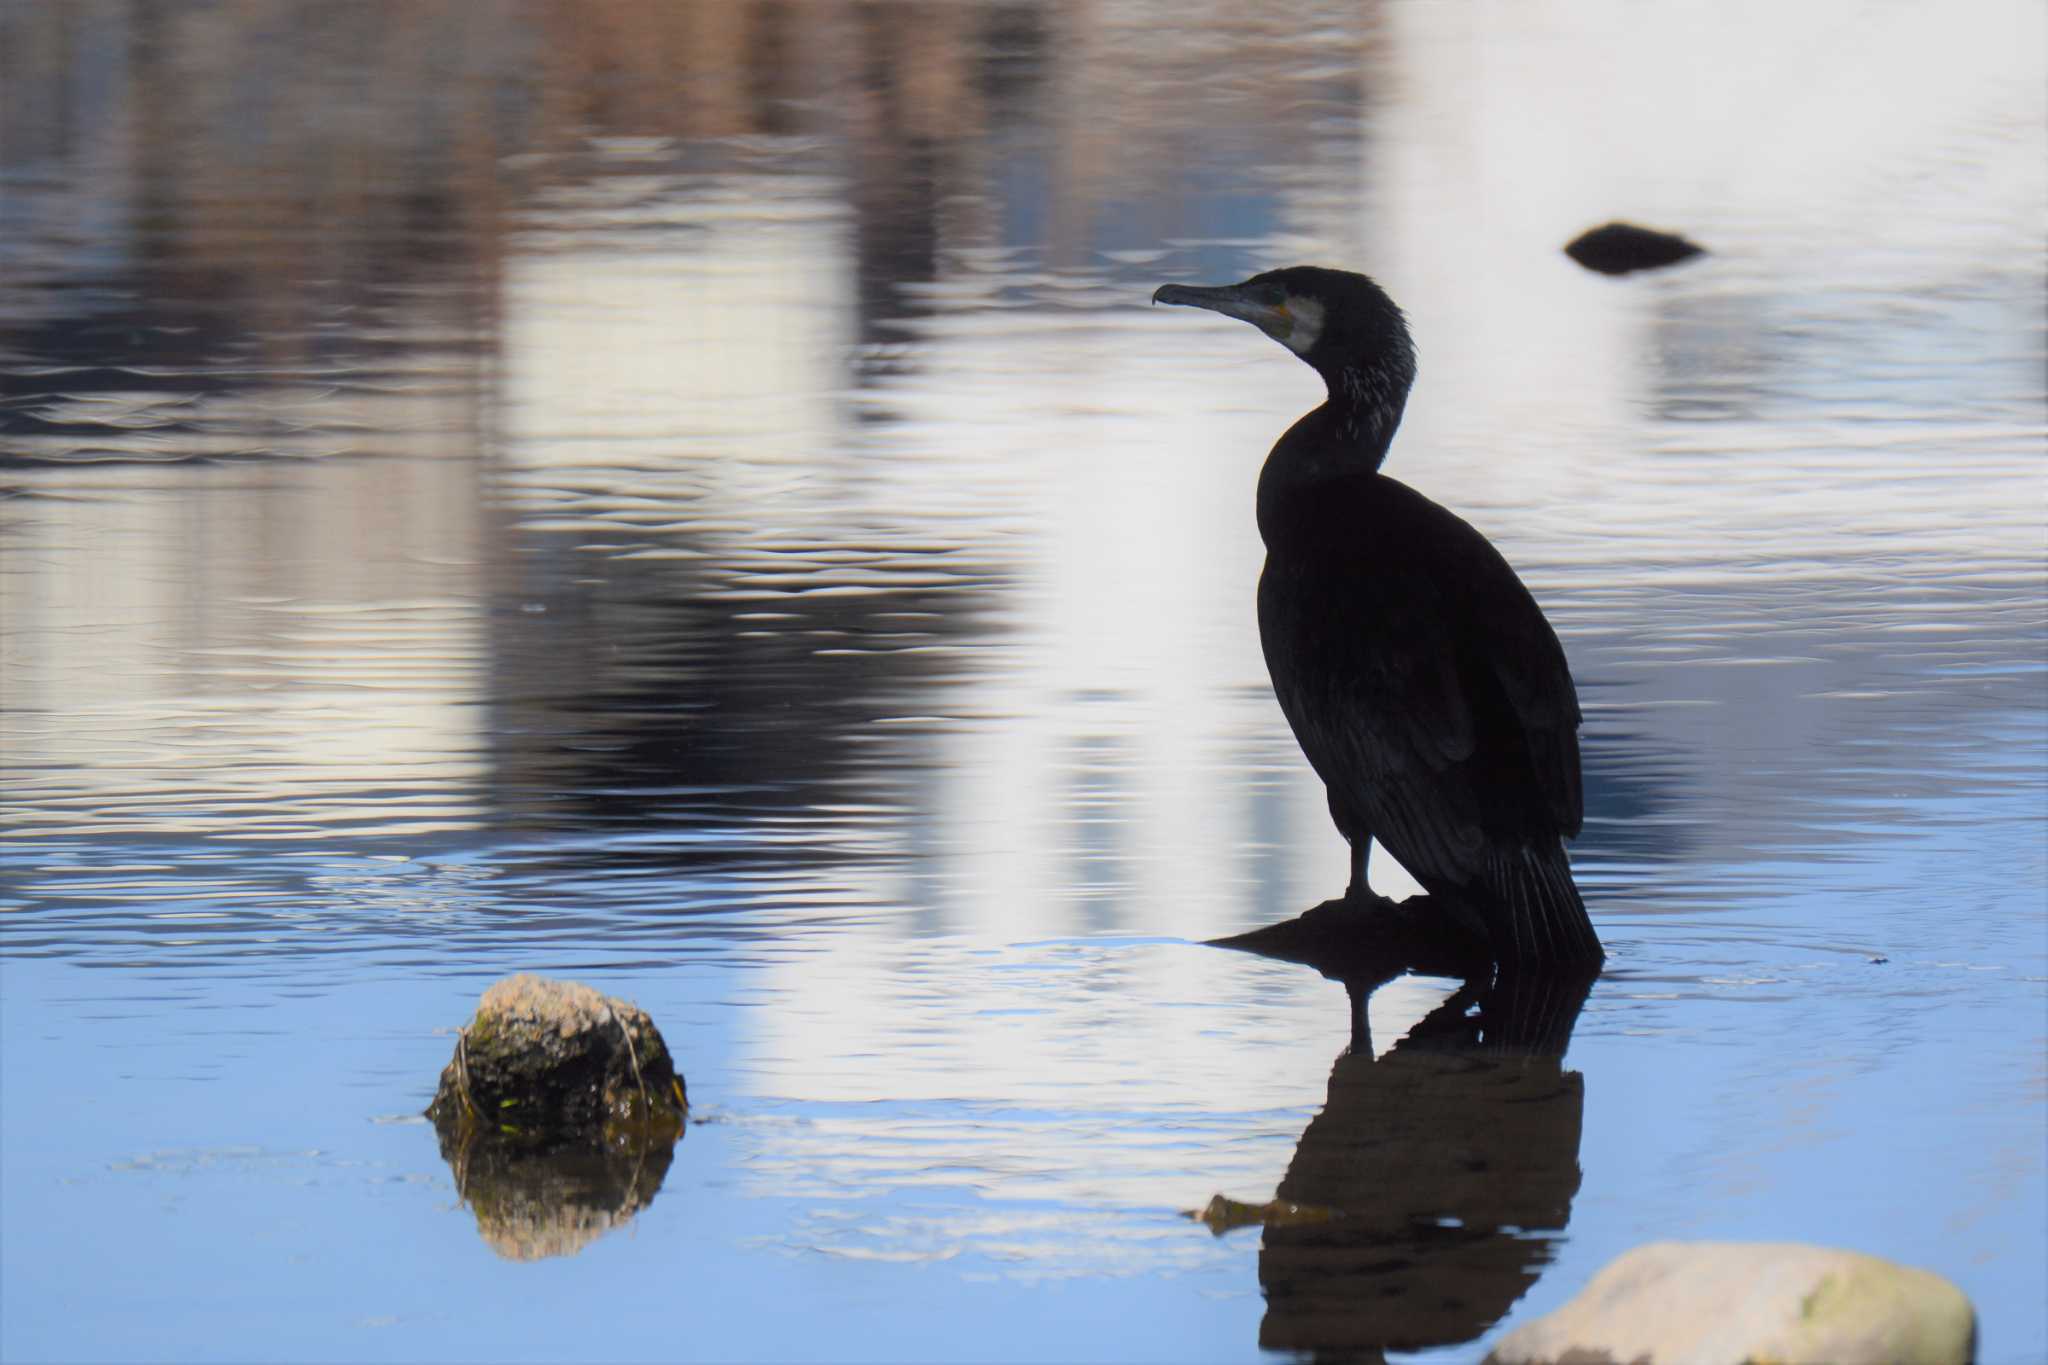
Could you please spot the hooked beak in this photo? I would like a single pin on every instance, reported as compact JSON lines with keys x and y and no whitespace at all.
{"x":1231,"y":301}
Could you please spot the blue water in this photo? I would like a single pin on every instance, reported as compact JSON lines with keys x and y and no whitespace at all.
{"x":695,"y":502}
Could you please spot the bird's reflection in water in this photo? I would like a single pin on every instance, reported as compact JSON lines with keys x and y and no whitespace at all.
{"x":1425,"y":1198}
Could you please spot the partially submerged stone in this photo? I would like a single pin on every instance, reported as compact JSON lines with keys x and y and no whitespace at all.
{"x":558,"y":1115}
{"x":1621,"y":248}
{"x":554,"y":1062}
{"x":1704,"y":1303}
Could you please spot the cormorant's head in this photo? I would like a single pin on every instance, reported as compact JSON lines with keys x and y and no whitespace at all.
{"x":1341,"y":323}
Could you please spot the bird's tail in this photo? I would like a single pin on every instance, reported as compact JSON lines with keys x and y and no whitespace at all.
{"x":1537,"y":918}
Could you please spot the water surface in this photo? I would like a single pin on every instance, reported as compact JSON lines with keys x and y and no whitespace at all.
{"x":692,"y":499}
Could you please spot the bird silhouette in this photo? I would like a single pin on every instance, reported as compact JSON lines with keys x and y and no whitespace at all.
{"x":1420,"y":677}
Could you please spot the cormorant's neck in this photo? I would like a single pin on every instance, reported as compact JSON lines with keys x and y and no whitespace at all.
{"x":1346,"y":437}
{"x":1364,"y":407}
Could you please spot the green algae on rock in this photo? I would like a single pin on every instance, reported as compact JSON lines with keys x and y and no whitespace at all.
{"x":554,"y":1062}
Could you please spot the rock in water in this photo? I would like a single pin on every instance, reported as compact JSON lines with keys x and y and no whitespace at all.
{"x":1704,"y":1303}
{"x":1618,"y":248}
{"x":552,"y":1062}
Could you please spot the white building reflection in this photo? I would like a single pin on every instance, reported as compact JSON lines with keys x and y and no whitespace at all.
{"x":248,"y":651}
{"x":652,"y":322}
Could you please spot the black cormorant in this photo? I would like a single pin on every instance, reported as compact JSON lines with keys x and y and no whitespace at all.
{"x":1424,"y":684}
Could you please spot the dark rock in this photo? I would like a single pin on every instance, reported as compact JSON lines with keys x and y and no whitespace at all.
{"x":1619,"y":248}
{"x":1370,"y":940}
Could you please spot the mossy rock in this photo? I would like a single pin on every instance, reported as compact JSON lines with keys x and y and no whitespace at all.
{"x":546,"y":1063}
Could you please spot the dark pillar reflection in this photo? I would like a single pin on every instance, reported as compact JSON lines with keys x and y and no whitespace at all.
{"x":1429,"y":1194}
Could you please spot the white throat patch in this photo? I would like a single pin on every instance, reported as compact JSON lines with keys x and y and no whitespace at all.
{"x":1307,"y":316}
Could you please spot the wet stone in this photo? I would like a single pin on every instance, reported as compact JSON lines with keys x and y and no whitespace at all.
{"x":547,"y":1063}
{"x":1710,"y":1302}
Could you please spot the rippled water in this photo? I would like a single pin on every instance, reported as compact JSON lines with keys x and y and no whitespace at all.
{"x":690,"y":498}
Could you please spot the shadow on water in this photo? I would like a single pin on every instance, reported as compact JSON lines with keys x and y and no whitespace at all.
{"x":1430,"y":1193}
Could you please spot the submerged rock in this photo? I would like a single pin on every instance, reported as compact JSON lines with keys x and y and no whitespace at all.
{"x":552,"y":1062}
{"x":1619,"y":248}
{"x":1223,"y":1214}
{"x":1709,"y":1302}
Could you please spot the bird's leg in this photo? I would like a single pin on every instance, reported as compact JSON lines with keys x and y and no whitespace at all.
{"x":1358,"y":997}
{"x":1359,"y":837}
